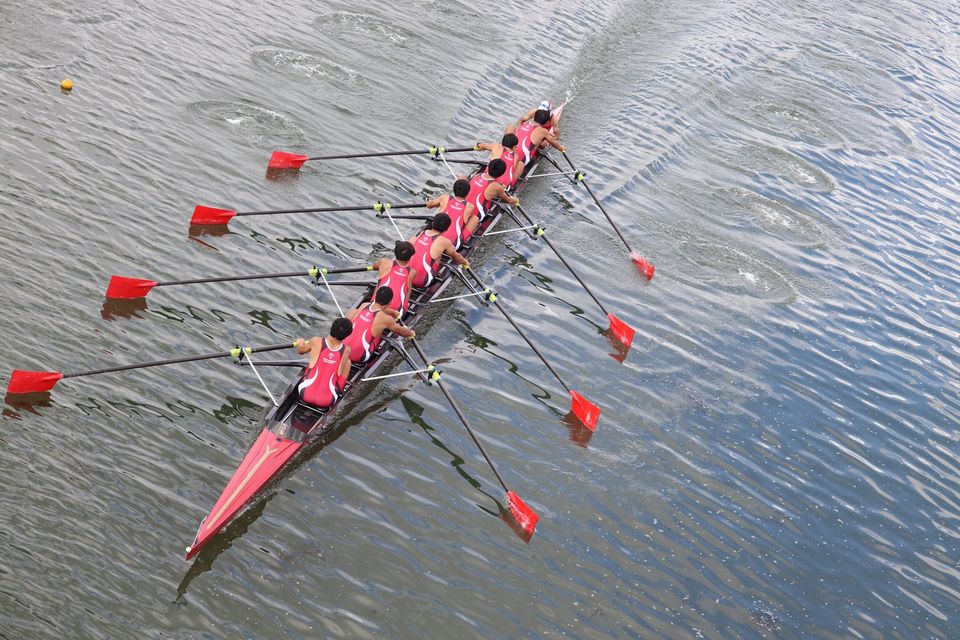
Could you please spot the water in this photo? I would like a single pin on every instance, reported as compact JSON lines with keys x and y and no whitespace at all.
{"x":777,"y":455}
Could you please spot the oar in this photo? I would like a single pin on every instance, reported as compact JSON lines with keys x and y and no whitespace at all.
{"x":204,"y":215}
{"x":645,"y":266}
{"x":124,"y":288}
{"x":38,"y":381}
{"x":620,"y":329}
{"x":525,"y":517}
{"x":283,"y":160}
{"x":586,"y":411}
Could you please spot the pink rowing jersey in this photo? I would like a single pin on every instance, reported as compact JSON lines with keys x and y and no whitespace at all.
{"x":396,"y":279}
{"x":425,"y":265}
{"x":320,"y":386}
{"x":477,"y":196}
{"x":525,"y":145}
{"x":454,"y":209}
{"x":361,"y":341}
{"x":509,"y":156}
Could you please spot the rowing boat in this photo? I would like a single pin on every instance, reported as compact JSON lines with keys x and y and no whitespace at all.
{"x":291,"y":426}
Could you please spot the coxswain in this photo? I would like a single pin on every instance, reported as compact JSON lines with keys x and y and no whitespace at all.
{"x":397,"y":274}
{"x":326,"y":373}
{"x":463,"y":218}
{"x":532,"y":134}
{"x":370,"y":320}
{"x":506,"y":151}
{"x":430,"y":244}
{"x":484,"y":187}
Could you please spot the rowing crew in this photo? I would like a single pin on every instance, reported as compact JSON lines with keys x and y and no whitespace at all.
{"x":416,"y":262}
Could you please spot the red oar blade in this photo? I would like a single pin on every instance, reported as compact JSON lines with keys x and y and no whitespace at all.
{"x":645,"y":266}
{"x":211,"y":215}
{"x":122,"y":288}
{"x":586,"y":411}
{"x":620,"y":329}
{"x":32,"y":381}
{"x":525,"y":517}
{"x":282,"y":160}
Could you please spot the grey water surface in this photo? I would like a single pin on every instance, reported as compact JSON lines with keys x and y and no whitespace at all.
{"x":778,"y":452}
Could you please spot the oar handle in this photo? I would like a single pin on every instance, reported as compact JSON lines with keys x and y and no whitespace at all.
{"x":523,"y":335}
{"x":157,"y":363}
{"x":382,"y":154}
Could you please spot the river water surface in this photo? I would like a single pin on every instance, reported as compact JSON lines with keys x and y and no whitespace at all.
{"x":777,"y":455}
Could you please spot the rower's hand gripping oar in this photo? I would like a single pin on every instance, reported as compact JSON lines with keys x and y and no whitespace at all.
{"x":124,"y":288}
{"x":524,"y":516}
{"x":618,"y":328}
{"x":587,"y":412}
{"x":207,"y":216}
{"x":286,"y":161}
{"x":645,"y":266}
{"x":39,"y":381}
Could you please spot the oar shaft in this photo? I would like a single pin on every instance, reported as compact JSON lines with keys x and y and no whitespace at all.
{"x":463,"y":418}
{"x":523,"y":335}
{"x":406,"y":217}
{"x":600,"y":206}
{"x":383,"y":154}
{"x":262,"y":276}
{"x":476,"y":440}
{"x":564,"y":262}
{"x":368,"y":207}
{"x":158,"y":363}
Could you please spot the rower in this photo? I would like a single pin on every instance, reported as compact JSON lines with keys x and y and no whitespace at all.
{"x":430,"y":244}
{"x":532,"y":134}
{"x":370,"y":320}
{"x":506,"y":151}
{"x":484,"y":187}
{"x":463,"y":219}
{"x":326,"y":374}
{"x":397,"y":274}
{"x":543,"y":106}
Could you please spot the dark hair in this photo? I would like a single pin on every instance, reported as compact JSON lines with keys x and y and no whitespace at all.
{"x":542,"y":116}
{"x":440,"y":222}
{"x":341,"y":328}
{"x":403,"y":250}
{"x":509,"y":140}
{"x":461,"y":188}
{"x":384,"y":295}
{"x":497,"y":168}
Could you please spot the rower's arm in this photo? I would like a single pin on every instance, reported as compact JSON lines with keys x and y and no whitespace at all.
{"x":552,"y":139}
{"x":469,"y":211}
{"x":527,"y":116}
{"x":433,"y":203}
{"x":401,"y":330}
{"x":485,"y":146}
{"x":302,"y":346}
{"x":506,"y":197}
{"x":344,"y":369}
{"x":455,"y":255}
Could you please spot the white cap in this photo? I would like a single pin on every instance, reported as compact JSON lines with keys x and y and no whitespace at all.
{"x":545,"y":105}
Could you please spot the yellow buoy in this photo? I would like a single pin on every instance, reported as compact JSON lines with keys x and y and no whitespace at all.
{"x":66,"y":84}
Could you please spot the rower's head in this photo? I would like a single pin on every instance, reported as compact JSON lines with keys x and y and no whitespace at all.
{"x":496,"y":168}
{"x":541,"y":117}
{"x":440,"y":222}
{"x":509,"y":141}
{"x":403,"y":251}
{"x":384,"y":296}
{"x":461,"y":188}
{"x":341,"y":328}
